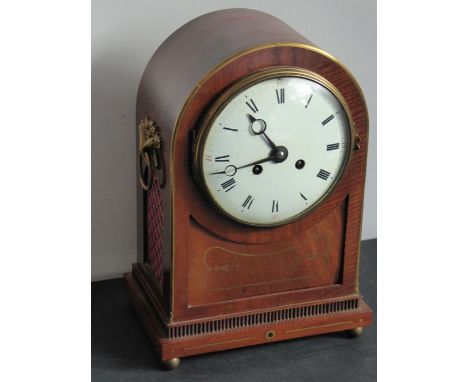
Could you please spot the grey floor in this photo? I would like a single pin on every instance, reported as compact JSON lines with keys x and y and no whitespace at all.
{"x":121,"y":351}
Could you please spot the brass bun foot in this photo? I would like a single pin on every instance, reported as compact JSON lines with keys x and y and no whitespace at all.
{"x":171,"y":363}
{"x":356,"y":332}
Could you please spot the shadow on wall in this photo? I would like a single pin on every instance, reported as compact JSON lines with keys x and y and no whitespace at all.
{"x":115,"y":79}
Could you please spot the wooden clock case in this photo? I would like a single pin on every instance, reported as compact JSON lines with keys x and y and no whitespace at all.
{"x":204,"y":283}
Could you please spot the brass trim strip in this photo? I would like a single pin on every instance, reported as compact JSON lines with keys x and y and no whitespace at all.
{"x":269,"y":282}
{"x":218,"y":343}
{"x":319,"y":326}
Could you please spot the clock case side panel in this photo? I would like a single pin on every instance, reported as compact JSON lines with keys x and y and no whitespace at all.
{"x":154,"y":208}
{"x":349,"y":188}
{"x":172,"y":75}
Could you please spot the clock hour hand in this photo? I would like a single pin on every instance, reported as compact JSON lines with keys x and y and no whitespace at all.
{"x":258,"y":126}
{"x":278,"y":155}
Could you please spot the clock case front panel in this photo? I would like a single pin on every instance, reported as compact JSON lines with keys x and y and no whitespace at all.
{"x":221,"y":276}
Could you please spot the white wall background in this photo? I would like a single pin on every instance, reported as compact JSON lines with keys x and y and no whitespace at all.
{"x":124,"y":36}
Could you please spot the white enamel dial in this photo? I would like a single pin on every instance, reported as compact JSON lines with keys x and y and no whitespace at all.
{"x":274,"y":150}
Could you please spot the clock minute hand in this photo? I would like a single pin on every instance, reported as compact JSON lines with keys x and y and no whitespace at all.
{"x":218,"y":172}
{"x":271,"y":157}
{"x":279,"y":155}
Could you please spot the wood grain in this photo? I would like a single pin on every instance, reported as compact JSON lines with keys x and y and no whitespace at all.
{"x":350,"y":186}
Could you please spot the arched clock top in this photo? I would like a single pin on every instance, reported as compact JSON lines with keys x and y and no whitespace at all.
{"x":213,"y":87}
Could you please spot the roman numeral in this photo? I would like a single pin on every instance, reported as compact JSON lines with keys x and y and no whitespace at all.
{"x":224,"y":158}
{"x":303,"y":197}
{"x":274,"y":207}
{"x":280,"y":95}
{"x":333,"y":146}
{"x":322,"y":174}
{"x":248,"y":202}
{"x":328,"y":120}
{"x":308,"y":101}
{"x":252,"y":106}
{"x":228,"y":185}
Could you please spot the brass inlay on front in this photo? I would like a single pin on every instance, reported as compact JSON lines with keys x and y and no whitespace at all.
{"x":219,"y":343}
{"x":217,"y":263}
{"x":319,"y":326}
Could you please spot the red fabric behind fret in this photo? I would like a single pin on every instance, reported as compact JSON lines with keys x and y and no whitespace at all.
{"x":155,"y":239}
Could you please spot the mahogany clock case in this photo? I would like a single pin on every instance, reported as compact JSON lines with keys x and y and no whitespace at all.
{"x":210,"y":283}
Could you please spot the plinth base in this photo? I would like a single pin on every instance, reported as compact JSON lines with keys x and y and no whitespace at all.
{"x":172,"y":344}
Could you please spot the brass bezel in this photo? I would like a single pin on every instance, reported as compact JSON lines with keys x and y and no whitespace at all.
{"x":228,"y":95}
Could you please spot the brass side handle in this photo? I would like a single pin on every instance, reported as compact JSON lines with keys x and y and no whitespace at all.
{"x":150,"y":155}
{"x":357,"y":142}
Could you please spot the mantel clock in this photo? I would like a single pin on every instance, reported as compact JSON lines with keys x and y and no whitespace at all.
{"x":252,"y":146}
